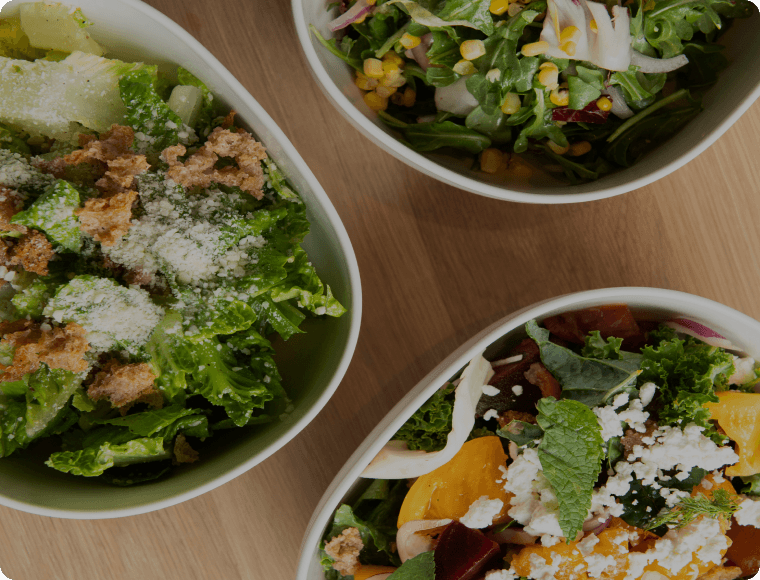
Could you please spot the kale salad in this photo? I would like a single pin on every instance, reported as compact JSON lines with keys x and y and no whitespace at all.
{"x":576,"y":88}
{"x":149,"y":253}
{"x":597,"y":447}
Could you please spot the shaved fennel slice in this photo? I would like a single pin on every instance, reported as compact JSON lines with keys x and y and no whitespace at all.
{"x":396,"y":461}
{"x":423,"y":16}
{"x":561,"y":14}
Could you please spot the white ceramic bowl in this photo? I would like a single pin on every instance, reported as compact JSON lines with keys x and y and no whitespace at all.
{"x":645,"y":303}
{"x":312,"y":364}
{"x":737,"y":89}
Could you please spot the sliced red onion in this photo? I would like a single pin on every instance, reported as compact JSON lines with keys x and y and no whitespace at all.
{"x":601,"y":527}
{"x":619,"y":107}
{"x":647,"y":64}
{"x":513,"y":536}
{"x":419,"y":52}
{"x":411,"y":543}
{"x":359,"y":9}
{"x":700,"y":331}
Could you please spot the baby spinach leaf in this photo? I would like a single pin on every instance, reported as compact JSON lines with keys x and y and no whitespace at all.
{"x":590,"y":381}
{"x":571,"y":454}
{"x":349,"y":50}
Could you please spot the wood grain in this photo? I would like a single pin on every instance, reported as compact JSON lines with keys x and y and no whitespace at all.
{"x":437,"y":265}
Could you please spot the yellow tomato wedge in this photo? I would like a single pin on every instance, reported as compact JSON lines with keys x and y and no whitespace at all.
{"x":737,"y":414}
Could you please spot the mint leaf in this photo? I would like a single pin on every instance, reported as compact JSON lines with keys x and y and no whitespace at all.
{"x":590,"y":381}
{"x":571,"y":454}
{"x":421,"y":567}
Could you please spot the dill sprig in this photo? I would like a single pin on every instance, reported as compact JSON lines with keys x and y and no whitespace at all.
{"x":688,"y":509}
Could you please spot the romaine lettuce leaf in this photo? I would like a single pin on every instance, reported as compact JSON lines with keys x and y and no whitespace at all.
{"x":53,"y":213}
{"x":93,"y":461}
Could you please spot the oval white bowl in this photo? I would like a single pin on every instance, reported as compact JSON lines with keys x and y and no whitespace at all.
{"x":646,"y":303}
{"x":737,"y":89}
{"x":312,"y":364}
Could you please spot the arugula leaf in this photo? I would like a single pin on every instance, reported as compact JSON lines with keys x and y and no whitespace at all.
{"x":429,"y":427}
{"x":432,"y":136}
{"x":474,"y":11}
{"x":571,"y":454}
{"x":705,"y":62}
{"x":584,"y":87}
{"x":493,"y":126}
{"x":349,"y":50}
{"x":590,"y":381}
{"x":53,"y":213}
{"x":543,"y":125}
{"x":421,"y":567}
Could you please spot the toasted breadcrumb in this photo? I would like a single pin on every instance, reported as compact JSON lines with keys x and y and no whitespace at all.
{"x":107,"y":219}
{"x":199,"y":169}
{"x":10,"y":204}
{"x":58,"y":348}
{"x":32,"y":252}
{"x":183,"y":453}
{"x":344,"y":549}
{"x":122,"y":384}
{"x":722,"y":573}
{"x":229,"y":120}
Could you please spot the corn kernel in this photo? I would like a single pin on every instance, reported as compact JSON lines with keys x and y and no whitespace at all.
{"x":390,"y":68}
{"x":373,"y":68}
{"x":371,"y":2}
{"x":493,"y":75}
{"x":391,"y":56}
{"x":464,"y":68}
{"x":518,"y":168}
{"x":535,"y":48}
{"x":514,"y":9}
{"x":361,"y":19}
{"x":568,"y":47}
{"x":365,"y":83}
{"x":410,"y":96}
{"x":570,"y":33}
{"x":393,"y":79}
{"x":511,"y":104}
{"x":384,"y":91}
{"x":472,"y":49}
{"x":580,"y":148}
{"x":375,"y":102}
{"x":593,"y":26}
{"x":604,"y":104}
{"x":490,"y":160}
{"x":560,"y":97}
{"x":559,"y":150}
{"x":549,"y":77}
{"x":498,"y":7}
{"x":409,"y":40}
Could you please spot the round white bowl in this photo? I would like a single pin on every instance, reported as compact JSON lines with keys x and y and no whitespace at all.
{"x":737,"y":89}
{"x":312,"y":364}
{"x":646,"y":304}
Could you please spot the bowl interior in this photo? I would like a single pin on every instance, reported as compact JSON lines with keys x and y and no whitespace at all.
{"x":737,"y":89}
{"x":312,"y":364}
{"x":645,"y":303}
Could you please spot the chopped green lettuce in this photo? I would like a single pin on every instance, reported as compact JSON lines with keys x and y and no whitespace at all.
{"x":93,"y":461}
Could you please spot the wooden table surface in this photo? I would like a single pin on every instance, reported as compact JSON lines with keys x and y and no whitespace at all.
{"x":437,"y":265}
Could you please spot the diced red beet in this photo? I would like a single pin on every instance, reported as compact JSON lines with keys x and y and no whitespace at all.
{"x":462,"y":553}
{"x":610,"y":320}
{"x":745,"y":549}
{"x":590,"y":114}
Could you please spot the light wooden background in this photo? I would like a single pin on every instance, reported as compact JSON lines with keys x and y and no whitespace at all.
{"x":437,"y":266}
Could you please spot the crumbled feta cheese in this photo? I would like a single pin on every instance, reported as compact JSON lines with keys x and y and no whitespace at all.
{"x":646,"y":393}
{"x":586,"y":545}
{"x":517,"y":390}
{"x":482,"y":512}
{"x":501,"y":575}
{"x":597,"y":564}
{"x":540,"y":569}
{"x":490,"y":414}
{"x":749,"y":512}
{"x":490,"y":391}
{"x":620,"y":400}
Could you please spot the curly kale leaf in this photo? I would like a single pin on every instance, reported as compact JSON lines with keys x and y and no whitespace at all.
{"x":430,"y":425}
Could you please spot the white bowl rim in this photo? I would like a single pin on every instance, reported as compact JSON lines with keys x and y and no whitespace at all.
{"x":416,"y":160}
{"x":354,"y":285}
{"x":421,"y":392}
